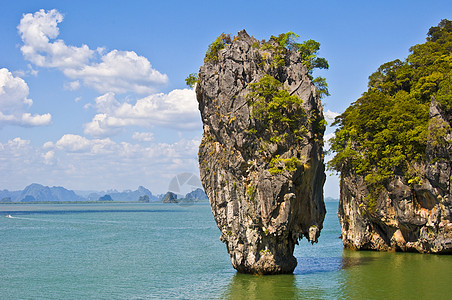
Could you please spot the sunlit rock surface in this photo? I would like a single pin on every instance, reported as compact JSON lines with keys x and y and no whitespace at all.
{"x":265,"y":193}
{"x":404,"y":217}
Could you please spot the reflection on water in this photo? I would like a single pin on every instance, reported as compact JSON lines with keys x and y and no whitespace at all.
{"x":355,"y":260}
{"x":355,"y":275}
{"x":326,"y":271}
{"x":244,"y":286}
{"x":313,"y":278}
{"x":382,"y":275}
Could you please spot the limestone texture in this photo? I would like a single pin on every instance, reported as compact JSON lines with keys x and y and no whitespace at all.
{"x":264,"y":182}
{"x":405,"y":217}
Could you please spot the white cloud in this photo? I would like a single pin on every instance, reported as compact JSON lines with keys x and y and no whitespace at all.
{"x":116,"y":71}
{"x":102,"y":125}
{"x":105,"y":148}
{"x":177,"y":109}
{"x":77,"y":162}
{"x":107,"y":103}
{"x":35,"y":120}
{"x":15,"y":157}
{"x":328,"y":136}
{"x":143,"y":136}
{"x":72,"y":143}
{"x":77,"y":143}
{"x":18,"y":143}
{"x":22,"y":73}
{"x":49,"y":157}
{"x":36,"y":31}
{"x":32,"y":71}
{"x":72,"y":86}
{"x":330,"y":116}
{"x":13,"y":91}
{"x":48,"y":145}
{"x":111,"y":73}
{"x":119,"y":72}
{"x":25,"y":120}
{"x":14,"y":101}
{"x":21,"y":163}
{"x":326,"y":139}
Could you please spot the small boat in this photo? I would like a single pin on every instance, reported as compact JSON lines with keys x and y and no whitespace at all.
{"x":9,"y":216}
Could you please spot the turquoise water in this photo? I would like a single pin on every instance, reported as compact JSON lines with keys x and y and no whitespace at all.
{"x":166,"y":251}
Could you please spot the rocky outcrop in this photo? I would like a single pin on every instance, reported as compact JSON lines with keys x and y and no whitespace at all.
{"x":262,"y":168}
{"x":404,"y":217}
{"x":196,"y":195}
{"x":170,"y":198}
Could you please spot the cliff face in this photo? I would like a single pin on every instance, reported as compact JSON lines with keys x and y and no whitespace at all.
{"x":404,"y":217}
{"x":262,"y":173}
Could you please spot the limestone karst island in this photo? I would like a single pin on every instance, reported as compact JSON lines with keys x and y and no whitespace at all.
{"x":261,"y":155}
{"x":393,"y":149}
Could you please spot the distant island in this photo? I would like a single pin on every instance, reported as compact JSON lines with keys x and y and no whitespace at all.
{"x":37,"y":193}
{"x":197,"y":195}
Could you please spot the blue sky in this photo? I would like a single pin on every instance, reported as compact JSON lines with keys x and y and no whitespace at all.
{"x":92,"y":93}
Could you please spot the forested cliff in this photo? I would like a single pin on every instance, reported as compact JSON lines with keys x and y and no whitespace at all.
{"x":393,"y":152}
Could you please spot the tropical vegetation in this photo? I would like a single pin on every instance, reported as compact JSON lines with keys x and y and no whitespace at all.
{"x":385,"y":132}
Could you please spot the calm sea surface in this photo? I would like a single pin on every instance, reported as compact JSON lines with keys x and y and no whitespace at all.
{"x":161,"y":251}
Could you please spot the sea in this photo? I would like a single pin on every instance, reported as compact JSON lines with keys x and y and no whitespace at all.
{"x":170,"y":251}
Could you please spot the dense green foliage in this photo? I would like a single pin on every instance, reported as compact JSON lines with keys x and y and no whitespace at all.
{"x":276,"y":108}
{"x":281,"y":115}
{"x":385,"y":131}
{"x":284,"y":42}
{"x":309,"y":50}
{"x":191,"y":79}
{"x":278,"y":165}
{"x":217,"y":45}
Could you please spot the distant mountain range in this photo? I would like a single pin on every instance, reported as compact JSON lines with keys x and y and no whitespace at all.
{"x":127,"y":195}
{"x":39,"y":193}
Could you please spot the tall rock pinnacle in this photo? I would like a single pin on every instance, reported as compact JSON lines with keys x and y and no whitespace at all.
{"x":261,"y":156}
